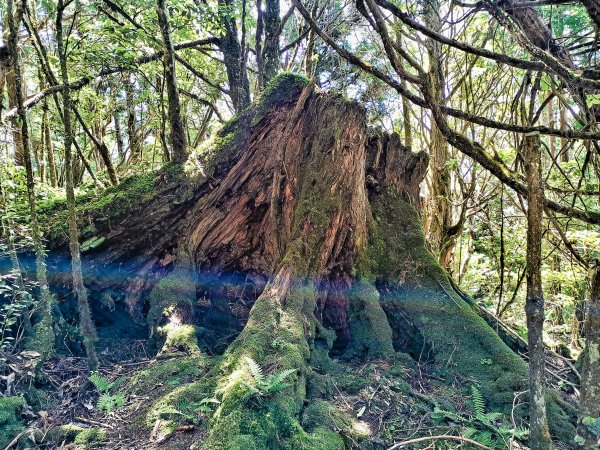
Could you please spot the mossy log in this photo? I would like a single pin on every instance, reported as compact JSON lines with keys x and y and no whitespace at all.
{"x":292,"y":237}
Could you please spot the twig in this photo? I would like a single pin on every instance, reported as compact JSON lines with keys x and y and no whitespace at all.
{"x":16,"y":439}
{"x":93,"y":422}
{"x":440,"y":437}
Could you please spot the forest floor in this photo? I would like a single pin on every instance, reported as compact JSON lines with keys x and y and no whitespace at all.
{"x":372,"y":405}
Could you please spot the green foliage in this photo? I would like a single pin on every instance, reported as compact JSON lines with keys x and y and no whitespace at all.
{"x":592,"y":424}
{"x":17,"y":301}
{"x":280,"y":90}
{"x":487,"y":428}
{"x":10,"y":425}
{"x":264,"y":386}
{"x":90,"y":436}
{"x":107,"y":402}
{"x":175,"y":370}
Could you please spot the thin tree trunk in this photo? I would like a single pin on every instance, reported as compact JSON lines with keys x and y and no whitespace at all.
{"x":589,"y":402}
{"x":564,"y":143}
{"x":179,"y":152}
{"x":272,"y":32}
{"x":134,"y":148}
{"x":309,"y":62}
{"x":11,"y":73}
{"x":551,"y":139}
{"x":260,"y":62}
{"x":440,"y":212}
{"x":86,"y":325}
{"x":163,"y":119}
{"x":119,"y":136}
{"x":101,"y":148}
{"x":44,"y":334}
{"x":534,"y":308}
{"x":233,"y":58}
{"x":47,"y":138}
{"x":14,"y":121}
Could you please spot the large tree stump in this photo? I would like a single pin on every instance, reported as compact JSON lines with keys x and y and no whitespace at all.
{"x":292,"y":237}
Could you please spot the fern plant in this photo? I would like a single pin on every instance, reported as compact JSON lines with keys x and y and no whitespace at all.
{"x":107,"y":401}
{"x":194,"y":411}
{"x":264,"y":386}
{"x":19,"y":300}
{"x":487,"y":428}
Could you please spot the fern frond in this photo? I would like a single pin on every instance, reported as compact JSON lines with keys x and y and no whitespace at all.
{"x":119,"y":400}
{"x":485,"y":438}
{"x":252,"y":390}
{"x":470,"y":432}
{"x":493,"y":416}
{"x":108,"y":402}
{"x":276,"y":380}
{"x":101,"y":383}
{"x":255,"y":371}
{"x":449,"y":415}
{"x":105,"y":403}
{"x":478,"y":402}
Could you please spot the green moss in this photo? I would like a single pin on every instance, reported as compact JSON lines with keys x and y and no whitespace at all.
{"x":282,"y":89}
{"x":179,"y":406}
{"x":42,"y":340}
{"x":90,"y":436}
{"x":271,"y":420}
{"x":101,"y":208}
{"x":561,"y":417}
{"x":418,"y":288}
{"x":425,"y":310}
{"x":180,"y":338}
{"x":321,"y":413}
{"x":319,"y":385}
{"x":171,"y":372}
{"x":370,"y":330}
{"x":10,"y":424}
{"x":174,"y":294}
{"x":55,"y":436}
{"x":351,"y":383}
{"x":323,"y":439}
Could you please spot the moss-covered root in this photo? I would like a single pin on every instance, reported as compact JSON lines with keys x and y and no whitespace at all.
{"x":256,"y":410}
{"x":83,"y":438}
{"x":430,"y":319}
{"x":173,"y":297}
{"x":10,"y":425}
{"x":369,"y":327}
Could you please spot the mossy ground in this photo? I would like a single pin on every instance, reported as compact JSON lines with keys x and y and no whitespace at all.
{"x":10,"y":423}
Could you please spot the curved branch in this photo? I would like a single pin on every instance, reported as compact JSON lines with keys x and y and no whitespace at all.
{"x":497,"y":168}
{"x":547,"y":62}
{"x":76,"y":85}
{"x":398,"y":87}
{"x":472,"y":149}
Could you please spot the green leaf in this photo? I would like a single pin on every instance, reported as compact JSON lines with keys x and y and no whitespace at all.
{"x":592,"y":424}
